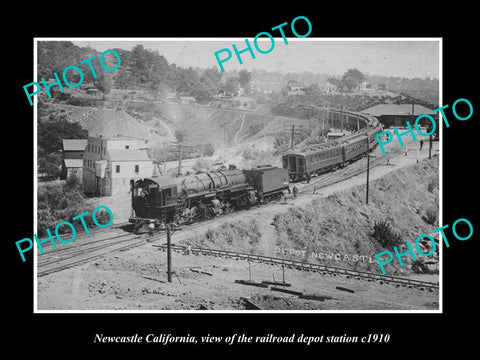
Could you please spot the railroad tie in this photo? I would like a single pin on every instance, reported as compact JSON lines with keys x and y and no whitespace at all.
{"x":344,"y":289}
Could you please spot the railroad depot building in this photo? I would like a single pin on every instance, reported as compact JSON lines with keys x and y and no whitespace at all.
{"x":110,"y":164}
{"x":398,"y":115}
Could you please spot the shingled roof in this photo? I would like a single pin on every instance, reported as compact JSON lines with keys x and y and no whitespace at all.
{"x":402,"y":109}
{"x":74,"y":144}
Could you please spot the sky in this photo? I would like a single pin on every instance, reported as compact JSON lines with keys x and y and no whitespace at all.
{"x":407,"y":57}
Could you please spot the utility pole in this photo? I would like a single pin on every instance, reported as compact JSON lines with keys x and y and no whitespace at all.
{"x":170,"y":231}
{"x":430,"y":147}
{"x":165,"y":158}
{"x":291,"y":142}
{"x":169,"y":255}
{"x":331,"y":117}
{"x":291,"y":128}
{"x":368,"y":167}
{"x":341,"y":106}
{"x":180,"y":159}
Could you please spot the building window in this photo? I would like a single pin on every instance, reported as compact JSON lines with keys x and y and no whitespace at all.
{"x":117,"y":168}
{"x":137,"y":168}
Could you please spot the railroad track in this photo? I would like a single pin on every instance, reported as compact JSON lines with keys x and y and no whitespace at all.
{"x":80,"y":251}
{"x":306,"y":266}
{"x":65,"y":258}
{"x":346,"y":173}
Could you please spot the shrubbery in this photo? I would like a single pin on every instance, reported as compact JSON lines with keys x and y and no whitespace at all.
{"x":384,"y":234}
{"x":431,"y":216}
{"x":242,"y":236}
{"x":59,"y":202}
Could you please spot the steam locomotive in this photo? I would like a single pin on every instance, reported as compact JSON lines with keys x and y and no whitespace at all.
{"x":158,"y":201}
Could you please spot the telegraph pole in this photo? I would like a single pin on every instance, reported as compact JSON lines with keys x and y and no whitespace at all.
{"x":368,"y":167}
{"x":430,"y":147}
{"x":291,"y":142}
{"x":169,"y":255}
{"x":165,"y":158}
{"x":341,"y":106}
{"x":180,"y":159}
{"x":291,"y":128}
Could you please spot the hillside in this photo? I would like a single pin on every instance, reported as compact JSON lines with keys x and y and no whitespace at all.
{"x":343,"y":224}
{"x":340,"y":223}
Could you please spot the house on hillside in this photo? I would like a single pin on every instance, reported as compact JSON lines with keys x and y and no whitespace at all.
{"x":187,"y":100}
{"x":328,"y":88}
{"x":72,"y":150}
{"x":109,"y":165}
{"x":265,"y":87}
{"x":365,"y":86}
{"x":295,"y":88}
{"x":397,"y":115}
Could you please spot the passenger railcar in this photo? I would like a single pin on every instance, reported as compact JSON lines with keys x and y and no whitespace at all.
{"x":314,"y":160}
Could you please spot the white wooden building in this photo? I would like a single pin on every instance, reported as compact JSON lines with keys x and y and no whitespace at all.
{"x":109,"y":165}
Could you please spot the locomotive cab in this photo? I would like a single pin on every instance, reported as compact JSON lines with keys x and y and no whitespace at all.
{"x":154,"y":192}
{"x":152,"y":199}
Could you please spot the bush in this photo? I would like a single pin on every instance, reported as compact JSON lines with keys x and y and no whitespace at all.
{"x":208,"y":149}
{"x":384,"y":234}
{"x":57,"y":203}
{"x":432,"y":185}
{"x":431,"y":215}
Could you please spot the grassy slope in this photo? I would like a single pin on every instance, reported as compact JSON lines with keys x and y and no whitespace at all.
{"x":342,"y":223}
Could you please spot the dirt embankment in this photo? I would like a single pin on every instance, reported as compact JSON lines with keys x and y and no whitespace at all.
{"x":337,"y":230}
{"x":342,"y":224}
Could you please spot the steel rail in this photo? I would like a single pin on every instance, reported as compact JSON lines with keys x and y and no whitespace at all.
{"x":305,"y":266}
{"x":64,"y":264}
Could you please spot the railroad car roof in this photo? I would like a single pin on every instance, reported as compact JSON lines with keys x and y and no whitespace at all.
{"x":312,"y":149}
{"x":354,"y":140}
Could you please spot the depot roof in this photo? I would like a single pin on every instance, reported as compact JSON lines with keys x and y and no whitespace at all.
{"x":398,"y":110}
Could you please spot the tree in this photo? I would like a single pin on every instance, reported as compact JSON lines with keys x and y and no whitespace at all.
{"x":313,"y":92}
{"x":208,"y":85}
{"x":352,"y":78}
{"x":50,"y":164}
{"x":244,"y":78}
{"x":186,"y":80}
{"x":51,"y":133}
{"x":231,"y":86}
{"x":103,"y":85}
{"x":334,"y":81}
{"x":180,"y":134}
